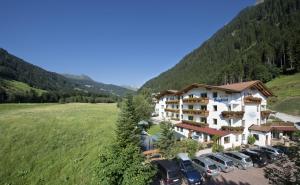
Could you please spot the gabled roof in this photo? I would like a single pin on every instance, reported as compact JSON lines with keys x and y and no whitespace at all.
{"x":244,"y":85}
{"x":195,"y":85}
{"x":167,"y":92}
{"x":278,"y":126}
{"x":231,"y":88}
{"x":205,"y":130}
{"x":260,"y":128}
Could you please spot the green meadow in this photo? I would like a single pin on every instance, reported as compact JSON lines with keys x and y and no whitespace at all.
{"x":53,"y":143}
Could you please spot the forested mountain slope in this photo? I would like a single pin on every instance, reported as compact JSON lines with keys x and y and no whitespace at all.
{"x":260,"y":43}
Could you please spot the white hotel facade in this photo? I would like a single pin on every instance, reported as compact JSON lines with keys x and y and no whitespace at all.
{"x":232,"y":112}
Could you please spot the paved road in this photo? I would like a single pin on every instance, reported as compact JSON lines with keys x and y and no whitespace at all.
{"x":287,"y":117}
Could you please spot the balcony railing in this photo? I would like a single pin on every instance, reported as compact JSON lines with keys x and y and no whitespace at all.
{"x":175,"y":119}
{"x":172,"y":110}
{"x":195,"y":100}
{"x":252,"y":99}
{"x":194,"y":123}
{"x":232,"y":129}
{"x":172,"y":102}
{"x":196,"y":112}
{"x":233,"y":114}
{"x":265,"y":113}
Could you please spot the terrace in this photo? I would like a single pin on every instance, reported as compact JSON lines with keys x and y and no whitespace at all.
{"x":196,"y":100}
{"x":252,"y":100}
{"x":194,"y":123}
{"x":196,"y":112}
{"x":172,"y":110}
{"x":233,"y":114}
{"x":172,"y":102}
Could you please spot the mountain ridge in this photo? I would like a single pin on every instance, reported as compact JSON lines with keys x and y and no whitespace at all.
{"x":260,"y":43}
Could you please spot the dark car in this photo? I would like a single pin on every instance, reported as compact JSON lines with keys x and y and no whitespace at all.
{"x":282,"y":148}
{"x":270,"y":156}
{"x":259,"y":160}
{"x":168,"y":172}
{"x":191,"y":175}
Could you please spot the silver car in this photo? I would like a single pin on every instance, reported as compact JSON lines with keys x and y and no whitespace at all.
{"x":206,"y":167}
{"x":240,"y":160}
{"x":224,"y":164}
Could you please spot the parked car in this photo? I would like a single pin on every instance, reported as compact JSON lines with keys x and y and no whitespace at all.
{"x":259,"y":160}
{"x":284,"y":149}
{"x":240,"y":160}
{"x":168,"y":172}
{"x":224,"y":164}
{"x":270,"y":156}
{"x":206,"y":167}
{"x":277,"y":152}
{"x":190,"y":175}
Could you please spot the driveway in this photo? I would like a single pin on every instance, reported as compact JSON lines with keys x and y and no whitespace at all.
{"x":287,"y":117}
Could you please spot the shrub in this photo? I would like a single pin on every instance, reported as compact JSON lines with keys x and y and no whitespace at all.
{"x":251,"y":140}
{"x":217,"y":148}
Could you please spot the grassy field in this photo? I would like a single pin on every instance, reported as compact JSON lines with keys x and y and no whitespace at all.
{"x":53,"y":143}
{"x":287,"y":91}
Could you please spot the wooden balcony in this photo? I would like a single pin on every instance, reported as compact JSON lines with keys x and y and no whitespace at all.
{"x":194,"y":123}
{"x":252,"y":100}
{"x":172,"y":102}
{"x":265,"y":113}
{"x":195,"y":100}
{"x":233,"y":129}
{"x":196,"y":112}
{"x":172,"y":110}
{"x":175,"y":119}
{"x":233,"y":114}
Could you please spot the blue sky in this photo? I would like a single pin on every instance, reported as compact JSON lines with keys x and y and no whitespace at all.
{"x":124,"y":42}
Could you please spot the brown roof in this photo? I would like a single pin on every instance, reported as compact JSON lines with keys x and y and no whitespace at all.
{"x":167,"y":92}
{"x":270,"y":127}
{"x":260,"y":128}
{"x":287,"y":128}
{"x":244,"y":85}
{"x":234,"y":88}
{"x":206,"y":130}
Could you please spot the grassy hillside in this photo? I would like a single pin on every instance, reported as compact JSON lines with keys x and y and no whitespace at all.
{"x":52,"y":143}
{"x":287,"y":91}
{"x":19,"y":87}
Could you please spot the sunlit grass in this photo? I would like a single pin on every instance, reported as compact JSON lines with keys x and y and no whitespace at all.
{"x":53,"y":143}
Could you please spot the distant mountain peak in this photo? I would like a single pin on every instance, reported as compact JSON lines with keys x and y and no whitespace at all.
{"x":77,"y":77}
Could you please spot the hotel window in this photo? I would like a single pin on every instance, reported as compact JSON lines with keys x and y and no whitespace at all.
{"x":181,"y":106}
{"x":243,"y":137}
{"x":191,"y":107}
{"x":203,"y":120}
{"x":203,"y":107}
{"x":177,"y":106}
{"x":257,"y":121}
{"x":191,"y":96}
{"x":204,"y":95}
{"x":229,"y":107}
{"x":236,"y":138}
{"x":181,"y":116}
{"x":226,"y":140}
{"x":215,"y":108}
{"x":257,"y":108}
{"x":243,"y":123}
{"x":215,"y":121}
{"x":181,"y":129}
{"x":215,"y":94}
{"x":190,"y":118}
{"x":230,"y":122}
{"x":256,"y":136}
{"x":177,"y":128}
{"x":173,"y":106}
{"x":177,"y":115}
{"x":243,"y":108}
{"x":162,"y":107}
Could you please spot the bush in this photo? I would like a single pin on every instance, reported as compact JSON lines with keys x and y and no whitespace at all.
{"x":217,"y":148}
{"x":251,"y":140}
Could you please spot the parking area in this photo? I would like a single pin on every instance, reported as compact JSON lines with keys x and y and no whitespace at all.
{"x":252,"y":176}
